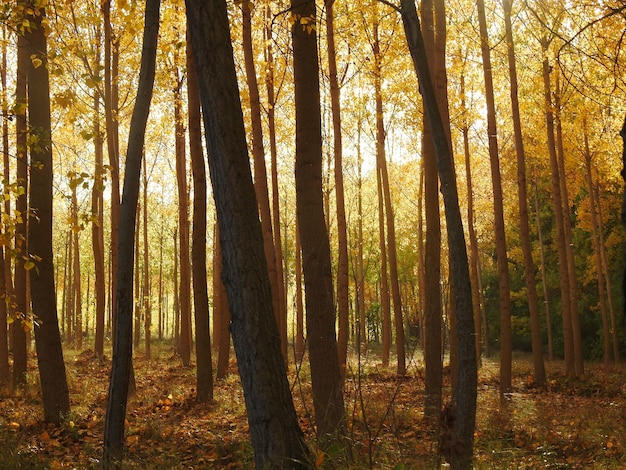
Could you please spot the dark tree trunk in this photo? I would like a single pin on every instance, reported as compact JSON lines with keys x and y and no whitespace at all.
{"x":18,"y":335}
{"x":54,"y":388}
{"x":204,"y":365}
{"x":458,"y":446}
{"x":319,"y":297}
{"x":123,"y":335}
{"x":276,"y":437}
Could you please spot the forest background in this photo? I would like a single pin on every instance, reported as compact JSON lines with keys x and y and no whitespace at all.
{"x":569,"y":70}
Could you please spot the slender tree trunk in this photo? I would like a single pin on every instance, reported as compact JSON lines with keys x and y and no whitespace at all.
{"x":522,"y":193}
{"x":320,"y":308}
{"x":137,"y":281}
{"x":147,"y":295}
{"x":111,"y":100}
{"x":276,"y":437}
{"x":76,"y":279}
{"x":221,"y":312}
{"x":544,"y":282}
{"x":160,"y":321}
{"x":18,"y":335}
{"x":260,"y":172}
{"x":579,"y":366}
{"x":557,"y":205}
{"x":271,"y":125}
{"x":606,"y":335}
{"x":458,"y":444}
{"x":342,"y":230}
{"x":498,"y":202}
{"x":5,"y":267}
{"x":97,"y":225}
{"x":360,"y":314}
{"x":385,"y":301}
{"x":5,"y":374}
{"x":122,"y":338}
{"x":300,"y":341}
{"x":183,"y":224}
{"x":433,"y":357}
{"x":381,"y":160}
{"x":204,"y":366}
{"x":54,"y":388}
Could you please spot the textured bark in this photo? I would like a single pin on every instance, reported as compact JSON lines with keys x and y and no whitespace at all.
{"x":557,"y":206}
{"x":504,"y":290}
{"x":122,"y":339}
{"x":458,"y":445}
{"x":433,"y":357}
{"x":342,"y":230}
{"x":319,"y":296}
{"x":522,"y":193}
{"x":18,"y":335}
{"x":579,"y":366}
{"x":146,"y":291}
{"x":221,"y":314}
{"x":184,"y":344}
{"x":276,"y":437}
{"x":260,"y":171}
{"x":54,"y":388}
{"x":300,"y":340}
{"x":204,"y":375}
{"x":5,"y":266}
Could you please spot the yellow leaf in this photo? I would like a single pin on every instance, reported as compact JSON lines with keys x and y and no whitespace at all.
{"x":28,"y":265}
{"x":36,"y":61}
{"x":14,"y":426}
{"x":320,"y":458}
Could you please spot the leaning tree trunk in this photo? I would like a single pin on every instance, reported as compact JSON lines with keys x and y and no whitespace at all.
{"x":622,"y":133}
{"x":458,"y":445}
{"x":54,"y":388}
{"x":123,"y":335}
{"x":276,"y":437}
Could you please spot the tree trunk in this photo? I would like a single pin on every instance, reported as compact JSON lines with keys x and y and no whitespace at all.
{"x":5,"y":267}
{"x":458,"y":442}
{"x":498,"y":202}
{"x":544,"y":282}
{"x":271,"y":125}
{"x":111,"y":111}
{"x":76,"y":271}
{"x":557,"y":205}
{"x":342,"y":230}
{"x":54,"y":388}
{"x":300,"y":340}
{"x":579,"y":366}
{"x":221,"y":312}
{"x":593,"y":214}
{"x":97,"y":225}
{"x":320,"y":308}
{"x":385,"y":301}
{"x":204,"y":366}
{"x":18,"y":335}
{"x":122,"y":338}
{"x":381,"y":161}
{"x":260,"y":172}
{"x":183,"y":227}
{"x":276,"y":437}
{"x":522,"y":193}
{"x":432,"y":347}
{"x":147,"y":295}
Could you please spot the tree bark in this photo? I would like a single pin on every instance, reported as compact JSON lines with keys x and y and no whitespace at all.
{"x":204,"y":366}
{"x":459,"y":447}
{"x":122,"y":338}
{"x":54,"y":388}
{"x":342,"y":230}
{"x":433,"y":350}
{"x":522,"y":193}
{"x":504,"y":290}
{"x":320,"y":308}
{"x":276,"y":437}
{"x":557,"y":206}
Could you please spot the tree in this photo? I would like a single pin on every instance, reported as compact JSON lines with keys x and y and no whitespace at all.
{"x":459,"y":447}
{"x":123,"y":335}
{"x":504,"y":288}
{"x":54,"y":388}
{"x":198,"y":238}
{"x":319,"y":299}
{"x":342,"y":230}
{"x":276,"y":437}
{"x":522,"y":192}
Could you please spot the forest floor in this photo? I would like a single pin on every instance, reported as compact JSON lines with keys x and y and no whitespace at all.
{"x":568,"y":424}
